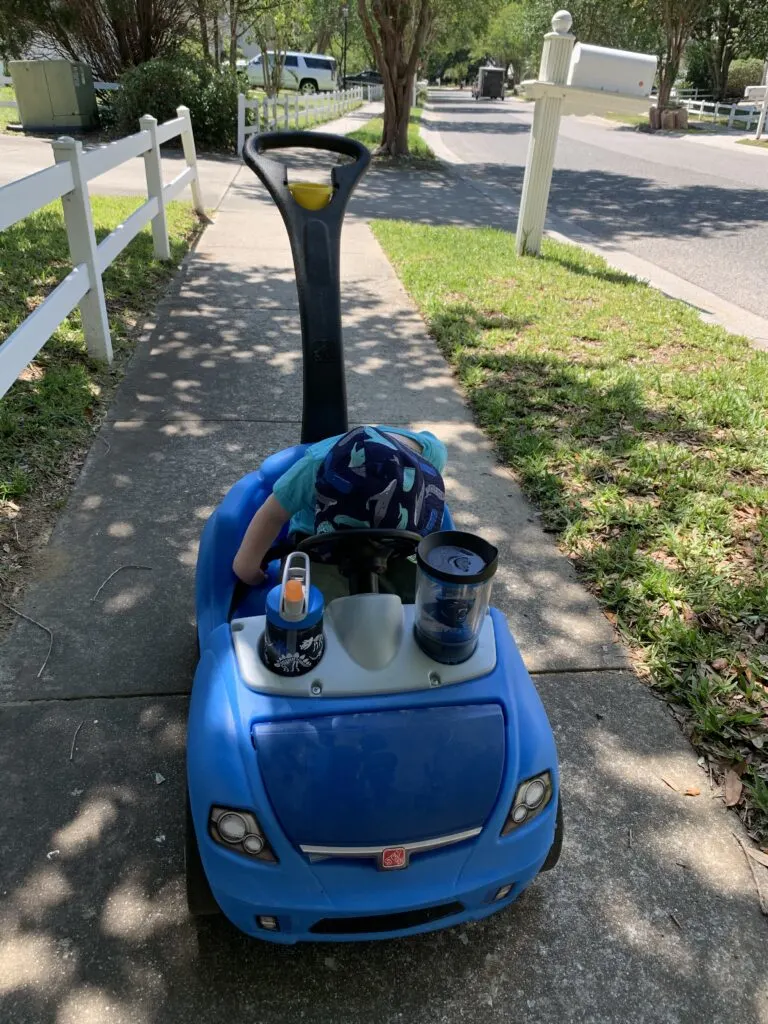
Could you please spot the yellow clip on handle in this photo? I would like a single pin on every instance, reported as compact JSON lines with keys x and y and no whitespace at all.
{"x":311,"y":194}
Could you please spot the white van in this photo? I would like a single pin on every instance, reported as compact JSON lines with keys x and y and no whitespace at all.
{"x":307,"y":72}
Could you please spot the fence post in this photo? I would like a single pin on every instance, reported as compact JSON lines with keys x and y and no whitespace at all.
{"x":154,"y":172}
{"x":286,"y":113}
{"x":761,"y":119}
{"x":555,"y":61}
{"x":190,"y":155}
{"x":82,"y":248}
{"x":297,"y":109}
{"x":240,"y":123}
{"x":731,"y":117}
{"x":264,"y":114}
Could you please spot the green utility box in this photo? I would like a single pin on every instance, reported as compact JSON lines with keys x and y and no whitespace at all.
{"x":54,"y":95}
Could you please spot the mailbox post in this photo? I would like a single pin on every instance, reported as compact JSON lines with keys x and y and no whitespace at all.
{"x":555,"y":64}
{"x":584,"y":79}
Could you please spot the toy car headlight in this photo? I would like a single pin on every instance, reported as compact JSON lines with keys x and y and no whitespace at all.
{"x":531,"y":798}
{"x":241,"y":832}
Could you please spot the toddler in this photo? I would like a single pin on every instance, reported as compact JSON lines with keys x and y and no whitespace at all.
{"x":370,"y":478}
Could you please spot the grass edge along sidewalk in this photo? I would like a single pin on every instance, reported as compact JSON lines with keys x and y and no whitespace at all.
{"x":49,"y":416}
{"x":370,"y":135}
{"x":642,"y":435}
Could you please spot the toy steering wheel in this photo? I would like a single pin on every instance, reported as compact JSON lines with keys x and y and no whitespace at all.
{"x":382,"y":542}
{"x":361,"y":555}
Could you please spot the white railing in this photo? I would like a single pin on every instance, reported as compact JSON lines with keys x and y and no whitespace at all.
{"x":294,"y":110}
{"x":747,"y":114}
{"x":690,"y":94}
{"x":68,"y":180}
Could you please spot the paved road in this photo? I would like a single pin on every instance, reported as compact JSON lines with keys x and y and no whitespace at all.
{"x":696,"y":206}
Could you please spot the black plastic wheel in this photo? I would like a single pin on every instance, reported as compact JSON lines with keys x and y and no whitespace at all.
{"x":200,"y":899}
{"x":557,"y":843}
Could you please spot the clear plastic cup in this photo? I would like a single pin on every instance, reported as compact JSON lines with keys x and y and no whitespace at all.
{"x":453,"y":591}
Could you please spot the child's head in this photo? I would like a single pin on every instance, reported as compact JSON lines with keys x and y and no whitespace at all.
{"x":371,"y":480}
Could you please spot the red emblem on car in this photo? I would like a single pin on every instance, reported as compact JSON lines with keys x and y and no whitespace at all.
{"x":393,"y":858}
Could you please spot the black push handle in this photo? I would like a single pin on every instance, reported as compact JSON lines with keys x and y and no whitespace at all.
{"x":315,"y":237}
{"x":341,"y":144}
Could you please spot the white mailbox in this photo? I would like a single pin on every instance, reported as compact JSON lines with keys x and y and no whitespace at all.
{"x":615,"y":71}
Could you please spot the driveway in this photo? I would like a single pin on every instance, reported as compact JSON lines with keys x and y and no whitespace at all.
{"x":20,"y":156}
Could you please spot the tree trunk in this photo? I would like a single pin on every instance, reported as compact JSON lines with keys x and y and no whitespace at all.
{"x":396,"y":38}
{"x":394,"y":138}
{"x":203,"y":19}
{"x":323,"y":38}
{"x":233,"y":17}
{"x":216,"y":43}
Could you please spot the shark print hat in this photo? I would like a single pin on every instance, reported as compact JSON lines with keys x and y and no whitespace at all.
{"x":370,"y":480}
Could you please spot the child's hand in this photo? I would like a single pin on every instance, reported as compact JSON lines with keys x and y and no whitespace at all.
{"x":252,"y":579}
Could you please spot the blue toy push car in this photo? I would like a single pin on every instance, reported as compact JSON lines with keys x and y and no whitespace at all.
{"x":373,"y":765}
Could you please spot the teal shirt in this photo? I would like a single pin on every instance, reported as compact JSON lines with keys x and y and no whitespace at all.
{"x":295,"y":489}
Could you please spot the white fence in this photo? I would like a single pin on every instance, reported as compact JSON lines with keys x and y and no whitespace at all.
{"x":68,"y":180}
{"x":298,"y":110}
{"x":747,"y":114}
{"x":689,"y":94}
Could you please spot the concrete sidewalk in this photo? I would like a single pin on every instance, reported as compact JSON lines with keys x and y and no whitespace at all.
{"x":651,"y":914}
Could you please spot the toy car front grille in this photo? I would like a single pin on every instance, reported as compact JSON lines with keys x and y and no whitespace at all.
{"x":385,"y":922}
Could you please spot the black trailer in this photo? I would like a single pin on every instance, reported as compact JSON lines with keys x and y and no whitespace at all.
{"x":489,"y":84}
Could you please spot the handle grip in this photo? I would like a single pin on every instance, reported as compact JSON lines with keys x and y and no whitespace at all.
{"x":273,"y":174}
{"x":342,"y":144}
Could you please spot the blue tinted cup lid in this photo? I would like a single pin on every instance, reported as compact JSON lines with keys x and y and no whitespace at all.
{"x":452,"y":556}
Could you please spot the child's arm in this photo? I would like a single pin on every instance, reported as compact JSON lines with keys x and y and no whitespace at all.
{"x":259,"y":538}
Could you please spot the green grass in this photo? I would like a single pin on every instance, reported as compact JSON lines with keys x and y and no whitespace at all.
{"x":370,"y":135}
{"x":8,"y":115}
{"x":638,"y":120}
{"x":762,"y":143}
{"x":642,"y":435}
{"x":49,"y":415}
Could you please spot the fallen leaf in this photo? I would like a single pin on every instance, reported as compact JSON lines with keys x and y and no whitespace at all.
{"x":719,"y":664}
{"x":668,"y":783}
{"x":733,"y":788}
{"x":760,"y":631}
{"x":757,"y":855}
{"x":692,"y":791}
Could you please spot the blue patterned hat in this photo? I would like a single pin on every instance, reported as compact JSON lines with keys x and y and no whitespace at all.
{"x":371,"y":480}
